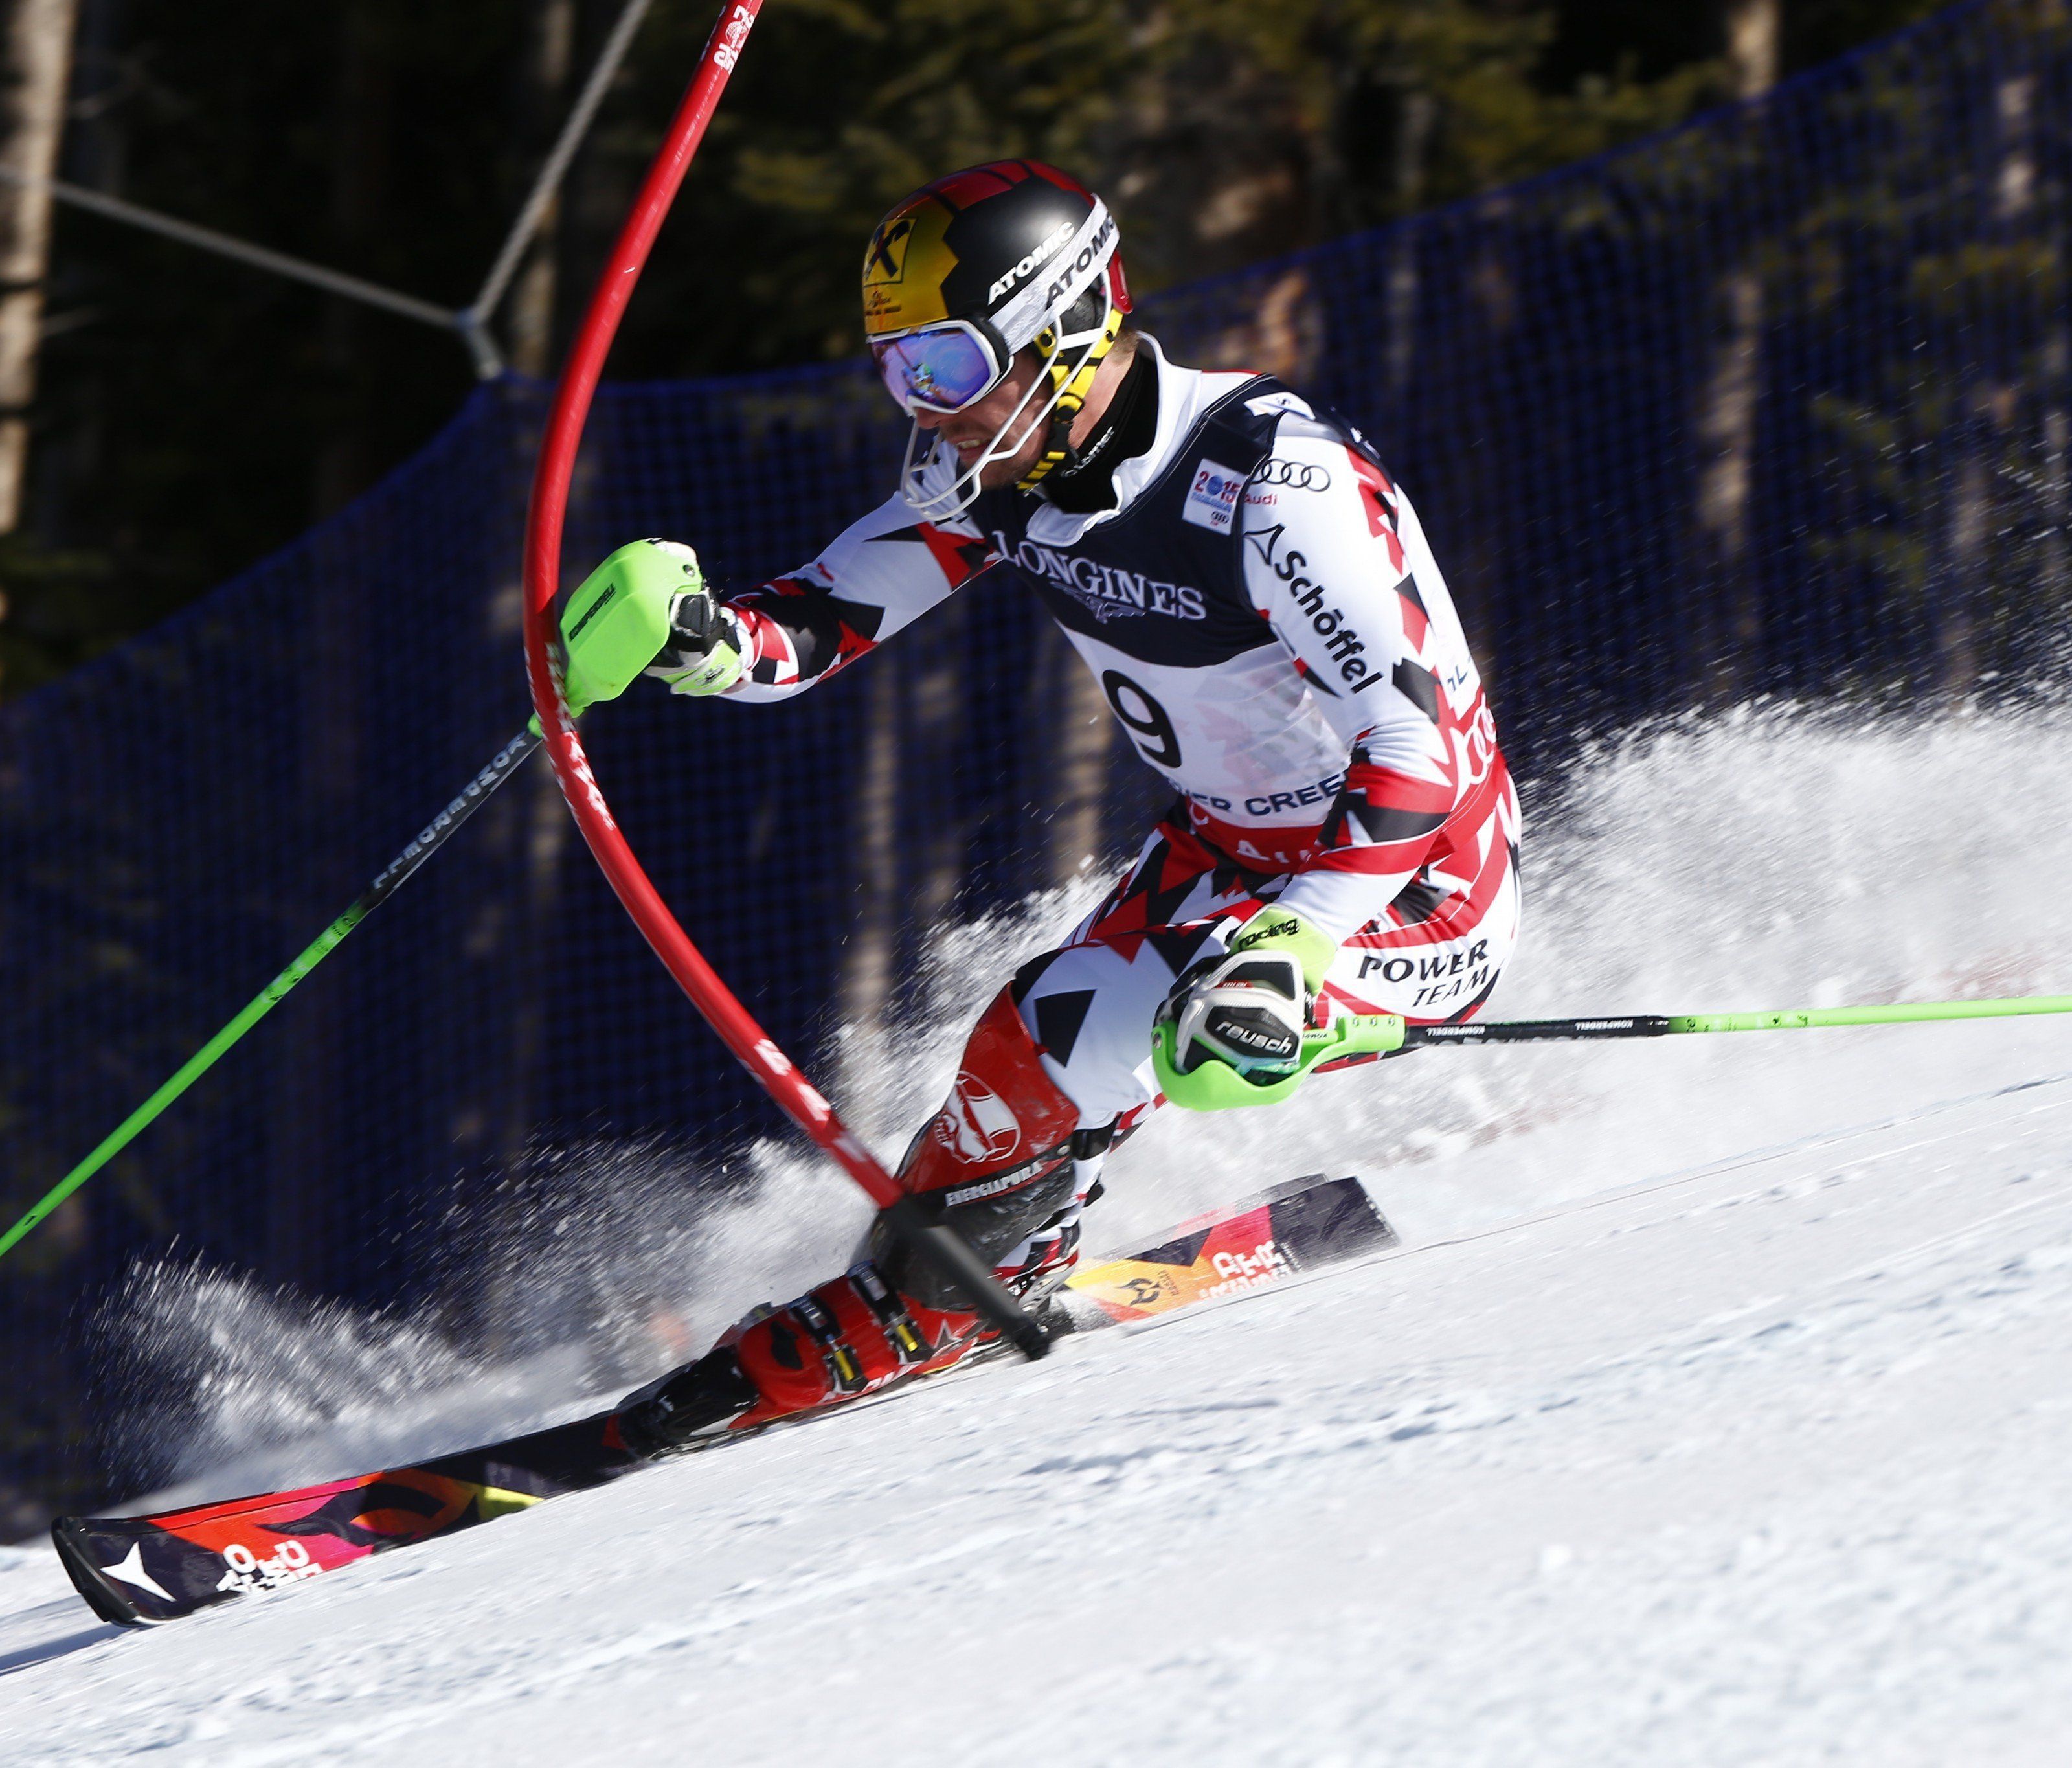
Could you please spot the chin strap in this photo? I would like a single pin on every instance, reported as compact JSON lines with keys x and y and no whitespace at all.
{"x":1072,"y":385}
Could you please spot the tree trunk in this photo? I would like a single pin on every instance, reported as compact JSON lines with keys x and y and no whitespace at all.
{"x":599,"y":187}
{"x":71,"y":459}
{"x":1490,"y":292}
{"x":870,"y":961}
{"x":1753,"y":29}
{"x":1726,"y":427}
{"x":544,"y":78}
{"x":1965,"y":599}
{"x":1970,"y":515}
{"x":1418,"y":116}
{"x":37,"y":46}
{"x":2055,"y":587}
{"x":306,"y":1128}
{"x":537,"y":831}
{"x":360,"y":169}
{"x":1731,"y":632}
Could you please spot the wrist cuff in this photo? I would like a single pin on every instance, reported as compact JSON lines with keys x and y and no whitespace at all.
{"x":1277,"y":929}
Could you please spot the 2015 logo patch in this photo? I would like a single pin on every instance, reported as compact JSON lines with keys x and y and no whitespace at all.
{"x":1212,"y":498}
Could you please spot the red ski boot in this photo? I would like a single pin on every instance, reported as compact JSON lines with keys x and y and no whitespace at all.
{"x":1003,"y":1162}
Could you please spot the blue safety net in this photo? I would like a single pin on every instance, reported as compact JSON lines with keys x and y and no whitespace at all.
{"x":1773,"y":404}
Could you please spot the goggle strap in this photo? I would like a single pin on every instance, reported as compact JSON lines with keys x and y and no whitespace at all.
{"x":990,"y":332}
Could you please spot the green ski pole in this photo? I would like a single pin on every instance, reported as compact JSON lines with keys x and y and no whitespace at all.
{"x":433,"y":836}
{"x":614,"y":625}
{"x":1355,"y":1037}
{"x":1673,"y":1025}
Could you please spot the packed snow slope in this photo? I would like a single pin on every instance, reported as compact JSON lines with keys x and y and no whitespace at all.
{"x":1717,"y":1408}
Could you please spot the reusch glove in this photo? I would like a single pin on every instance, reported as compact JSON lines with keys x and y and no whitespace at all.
{"x":1248,"y":1008}
{"x":1275,"y":929}
{"x":703,"y":655}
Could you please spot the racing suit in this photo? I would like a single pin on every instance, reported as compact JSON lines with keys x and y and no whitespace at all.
{"x":1256,"y":599}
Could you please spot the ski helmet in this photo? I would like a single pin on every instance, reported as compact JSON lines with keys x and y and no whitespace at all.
{"x":963,"y":275}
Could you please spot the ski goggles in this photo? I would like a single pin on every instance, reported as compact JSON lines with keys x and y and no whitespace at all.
{"x":941,"y":367}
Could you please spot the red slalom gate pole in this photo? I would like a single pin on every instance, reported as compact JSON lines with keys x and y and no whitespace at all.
{"x":545,"y":517}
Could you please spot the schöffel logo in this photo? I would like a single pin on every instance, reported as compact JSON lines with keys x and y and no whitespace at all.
{"x":1312,"y":599}
{"x":1108,"y":592}
{"x":1212,"y":498}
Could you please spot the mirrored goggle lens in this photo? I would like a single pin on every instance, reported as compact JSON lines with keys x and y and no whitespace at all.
{"x":945,"y":370}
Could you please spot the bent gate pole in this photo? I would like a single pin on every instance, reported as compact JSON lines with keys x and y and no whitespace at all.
{"x":754,"y":1047}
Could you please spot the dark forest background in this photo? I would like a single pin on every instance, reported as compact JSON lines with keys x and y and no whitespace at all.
{"x":190,"y":414}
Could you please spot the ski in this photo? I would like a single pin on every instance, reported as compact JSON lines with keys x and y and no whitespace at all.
{"x":139,"y":1571}
{"x":1289,"y":1231}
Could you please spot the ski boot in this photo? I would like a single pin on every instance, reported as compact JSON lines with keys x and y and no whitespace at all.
{"x":1003,"y":1162}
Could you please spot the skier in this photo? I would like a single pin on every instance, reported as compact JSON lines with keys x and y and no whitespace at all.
{"x":1255,"y":596}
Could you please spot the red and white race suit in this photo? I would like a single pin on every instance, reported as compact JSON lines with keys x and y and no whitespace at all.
{"x":1267,"y":622}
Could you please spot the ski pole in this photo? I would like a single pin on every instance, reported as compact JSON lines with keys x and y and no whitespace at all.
{"x":1676,"y":1024}
{"x":428,"y":842}
{"x":1352,"y":1038}
{"x":544,"y":521}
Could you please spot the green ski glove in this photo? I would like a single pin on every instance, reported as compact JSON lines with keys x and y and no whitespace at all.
{"x":703,"y":655}
{"x":1276,"y":929}
{"x":1235,"y":1029}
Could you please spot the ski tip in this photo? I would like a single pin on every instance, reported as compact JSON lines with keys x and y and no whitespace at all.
{"x":72,"y":1536}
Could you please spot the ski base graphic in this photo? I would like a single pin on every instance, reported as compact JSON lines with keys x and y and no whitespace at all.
{"x":1294,"y":1228}
{"x":137,"y":1570}
{"x":140,"y":1570}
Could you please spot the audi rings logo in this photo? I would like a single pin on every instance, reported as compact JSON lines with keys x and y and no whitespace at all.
{"x":1296,"y":474}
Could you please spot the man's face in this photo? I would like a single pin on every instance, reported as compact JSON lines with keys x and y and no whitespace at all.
{"x":969,"y":430}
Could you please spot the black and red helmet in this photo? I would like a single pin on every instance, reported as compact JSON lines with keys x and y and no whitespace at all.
{"x":986,"y":246}
{"x":970,"y":270}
